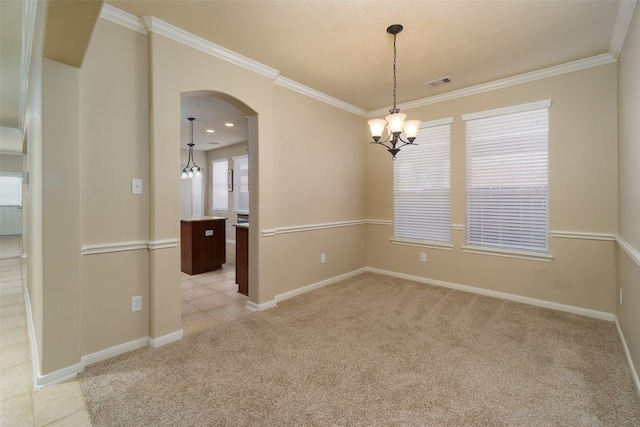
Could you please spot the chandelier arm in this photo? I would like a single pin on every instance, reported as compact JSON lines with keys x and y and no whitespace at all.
{"x":383,"y":143}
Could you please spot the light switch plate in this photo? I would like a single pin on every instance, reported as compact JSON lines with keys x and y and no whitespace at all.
{"x":136,"y":186}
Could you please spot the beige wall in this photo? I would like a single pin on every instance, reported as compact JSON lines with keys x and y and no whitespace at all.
{"x":227,"y":153}
{"x":11,"y":162}
{"x":200,"y":159}
{"x":61,"y":214}
{"x":629,"y":189}
{"x":582,"y":197}
{"x":114,"y":149}
{"x":320,"y":180}
{"x":305,"y":189}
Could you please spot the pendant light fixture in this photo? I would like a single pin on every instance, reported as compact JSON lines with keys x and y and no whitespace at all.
{"x":395,"y":122}
{"x":191,"y":171}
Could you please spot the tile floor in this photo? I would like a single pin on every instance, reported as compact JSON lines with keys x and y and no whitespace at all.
{"x":208,"y":300}
{"x":212,"y":298}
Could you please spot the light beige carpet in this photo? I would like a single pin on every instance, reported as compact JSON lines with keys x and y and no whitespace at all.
{"x":373,"y":351}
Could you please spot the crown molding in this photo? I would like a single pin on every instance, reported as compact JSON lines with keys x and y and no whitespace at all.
{"x":558,"y":70}
{"x":179,"y":35}
{"x":312,"y":93}
{"x":623,"y":20}
{"x":149,"y":24}
{"x":122,"y":18}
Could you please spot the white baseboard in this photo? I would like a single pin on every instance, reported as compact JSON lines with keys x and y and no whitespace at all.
{"x":260,"y":307}
{"x":281,"y":297}
{"x":634,"y":373}
{"x":159,"y":342}
{"x":525,"y":300}
{"x":58,"y":376}
{"x":113,"y":351}
{"x":317,"y":285}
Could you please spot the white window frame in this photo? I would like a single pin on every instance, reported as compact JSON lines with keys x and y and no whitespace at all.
{"x":422,"y":188}
{"x":241,"y":183}
{"x":219,"y":190}
{"x":507,"y":188}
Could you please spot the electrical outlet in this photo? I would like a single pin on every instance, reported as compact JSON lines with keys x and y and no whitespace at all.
{"x":323,"y":258}
{"x":136,"y":303}
{"x":620,"y":296}
{"x":423,"y":257}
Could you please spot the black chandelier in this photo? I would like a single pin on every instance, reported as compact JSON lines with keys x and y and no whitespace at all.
{"x":394,"y":122}
{"x":195,"y":170}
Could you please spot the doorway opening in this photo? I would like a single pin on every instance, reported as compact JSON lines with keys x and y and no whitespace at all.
{"x":212,"y":209}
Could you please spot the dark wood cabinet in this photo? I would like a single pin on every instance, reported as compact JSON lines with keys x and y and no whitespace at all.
{"x":242,"y":258}
{"x":202,"y":244}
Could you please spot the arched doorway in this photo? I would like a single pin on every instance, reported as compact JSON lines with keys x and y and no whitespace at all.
{"x":221,"y":141}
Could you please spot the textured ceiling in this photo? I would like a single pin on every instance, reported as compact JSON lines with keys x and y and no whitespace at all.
{"x":342,"y":49}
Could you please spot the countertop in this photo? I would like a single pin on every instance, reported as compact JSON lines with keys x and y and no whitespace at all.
{"x":242,"y":225}
{"x":202,"y":218}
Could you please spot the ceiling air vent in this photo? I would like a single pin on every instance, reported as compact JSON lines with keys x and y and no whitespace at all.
{"x":439,"y":82}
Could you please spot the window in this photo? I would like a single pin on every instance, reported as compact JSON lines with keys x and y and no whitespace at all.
{"x":421,"y":186}
{"x":241,"y":184}
{"x":10,"y":189}
{"x":507,"y":190}
{"x":220,"y":191}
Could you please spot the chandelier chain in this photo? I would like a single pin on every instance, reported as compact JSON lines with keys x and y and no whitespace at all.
{"x":394,"y":73}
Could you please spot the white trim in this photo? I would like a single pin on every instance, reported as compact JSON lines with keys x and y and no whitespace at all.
{"x":310,"y":227}
{"x":35,"y":362}
{"x":312,"y":93}
{"x":117,"y":350}
{"x":29,"y":12}
{"x":570,"y":67}
{"x":621,"y":26}
{"x":632,"y":368}
{"x":261,"y":307}
{"x":162,"y":244}
{"x":459,"y":227}
{"x":59,"y":376}
{"x":546,"y":103}
{"x":181,"y":36}
{"x":378,"y":222}
{"x":41,"y":381}
{"x":268,"y":233}
{"x":630,"y":250}
{"x":150,"y":24}
{"x":317,"y":285}
{"x":582,"y":235}
{"x":123,"y":18}
{"x":525,"y":300}
{"x":437,"y":122}
{"x":422,"y":244}
{"x":531,"y":256}
{"x":165,"y":339}
{"x":102,"y":248}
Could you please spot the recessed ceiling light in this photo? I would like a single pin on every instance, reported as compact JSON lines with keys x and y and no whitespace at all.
{"x":210,"y":130}
{"x":229,"y":125}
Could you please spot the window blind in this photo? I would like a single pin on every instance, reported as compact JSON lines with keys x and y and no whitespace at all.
{"x":220,"y":191}
{"x":10,"y":189}
{"x":507,"y":179}
{"x":422,"y":186}
{"x":241,"y":166}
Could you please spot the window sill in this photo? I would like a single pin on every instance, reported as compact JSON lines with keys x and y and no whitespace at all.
{"x":423,"y":244}
{"x":531,"y":256}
